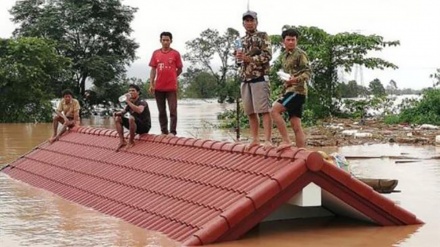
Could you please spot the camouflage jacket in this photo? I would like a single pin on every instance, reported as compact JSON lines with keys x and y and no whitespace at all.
{"x":257,"y":46}
{"x":297,"y":64}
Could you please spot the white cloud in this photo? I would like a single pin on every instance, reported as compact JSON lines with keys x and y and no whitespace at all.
{"x":414,"y":24}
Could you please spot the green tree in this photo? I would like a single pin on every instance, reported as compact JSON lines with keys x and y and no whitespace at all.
{"x":210,"y":47}
{"x":376,"y":88}
{"x":330,"y":52}
{"x":28,"y":68}
{"x":199,"y":84}
{"x":93,"y":33}
{"x":349,"y":90}
{"x":392,"y":87}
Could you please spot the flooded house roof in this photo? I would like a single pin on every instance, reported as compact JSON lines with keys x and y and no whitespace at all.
{"x":194,"y":191}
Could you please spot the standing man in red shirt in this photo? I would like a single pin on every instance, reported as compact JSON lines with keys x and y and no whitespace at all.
{"x":166,"y":65}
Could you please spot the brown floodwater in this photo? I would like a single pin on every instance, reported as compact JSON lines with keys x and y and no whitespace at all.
{"x":33,"y":217}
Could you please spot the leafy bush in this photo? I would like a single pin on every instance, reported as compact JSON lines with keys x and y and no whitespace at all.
{"x":229,"y":118}
{"x":309,"y":118}
{"x":392,"y":119}
{"x":427,"y":111}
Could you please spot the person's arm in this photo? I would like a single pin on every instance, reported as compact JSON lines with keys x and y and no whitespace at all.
{"x":136,"y":108}
{"x":153,"y":71}
{"x":306,"y":71}
{"x":60,"y":114}
{"x":76,"y":109}
{"x":59,"y":111}
{"x":264,"y":55}
{"x":152,"y":80}
{"x":179,"y":64}
{"x":304,"y":74}
{"x":119,"y":113}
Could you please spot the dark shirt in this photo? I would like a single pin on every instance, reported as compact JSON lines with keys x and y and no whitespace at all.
{"x":143,"y":117}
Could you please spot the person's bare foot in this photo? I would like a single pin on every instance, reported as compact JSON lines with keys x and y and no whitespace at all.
{"x":251,"y":145}
{"x":267,"y":145}
{"x":129,"y":145}
{"x":171,"y":135}
{"x":121,"y":144}
{"x":53,"y":139}
{"x":283,"y":146}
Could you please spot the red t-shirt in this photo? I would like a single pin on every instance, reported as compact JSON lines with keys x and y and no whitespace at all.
{"x":166,"y":65}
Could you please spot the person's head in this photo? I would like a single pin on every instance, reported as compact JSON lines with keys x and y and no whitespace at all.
{"x":134,"y":91}
{"x":67,"y":95}
{"x":290,"y":38}
{"x":166,"y":38}
{"x":250,"y":21}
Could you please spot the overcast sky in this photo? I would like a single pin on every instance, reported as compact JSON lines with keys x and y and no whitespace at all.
{"x":416,"y":24}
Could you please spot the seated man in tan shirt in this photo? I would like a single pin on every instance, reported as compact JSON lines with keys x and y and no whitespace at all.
{"x":67,"y":114}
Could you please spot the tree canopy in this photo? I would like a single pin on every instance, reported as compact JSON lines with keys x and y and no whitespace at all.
{"x":376,"y":88}
{"x":29,"y":67}
{"x":94,"y":34}
{"x":199,"y":84}
{"x":208,"y":47}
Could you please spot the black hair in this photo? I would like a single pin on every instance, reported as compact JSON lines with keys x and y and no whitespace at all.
{"x":290,"y":32}
{"x":168,"y":34}
{"x":67,"y":92}
{"x":138,"y":89}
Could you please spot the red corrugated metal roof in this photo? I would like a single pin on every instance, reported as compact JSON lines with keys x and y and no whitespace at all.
{"x":195,"y":191}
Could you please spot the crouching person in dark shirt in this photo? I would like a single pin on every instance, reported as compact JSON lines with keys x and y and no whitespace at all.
{"x":139,"y":121}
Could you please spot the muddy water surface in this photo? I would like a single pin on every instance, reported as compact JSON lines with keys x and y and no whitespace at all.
{"x":33,"y":217}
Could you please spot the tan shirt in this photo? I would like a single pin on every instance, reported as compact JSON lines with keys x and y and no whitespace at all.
{"x":71,"y":109}
{"x":297,"y":64}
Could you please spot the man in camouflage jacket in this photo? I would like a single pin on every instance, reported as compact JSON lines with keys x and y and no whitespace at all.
{"x":255,"y":87}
